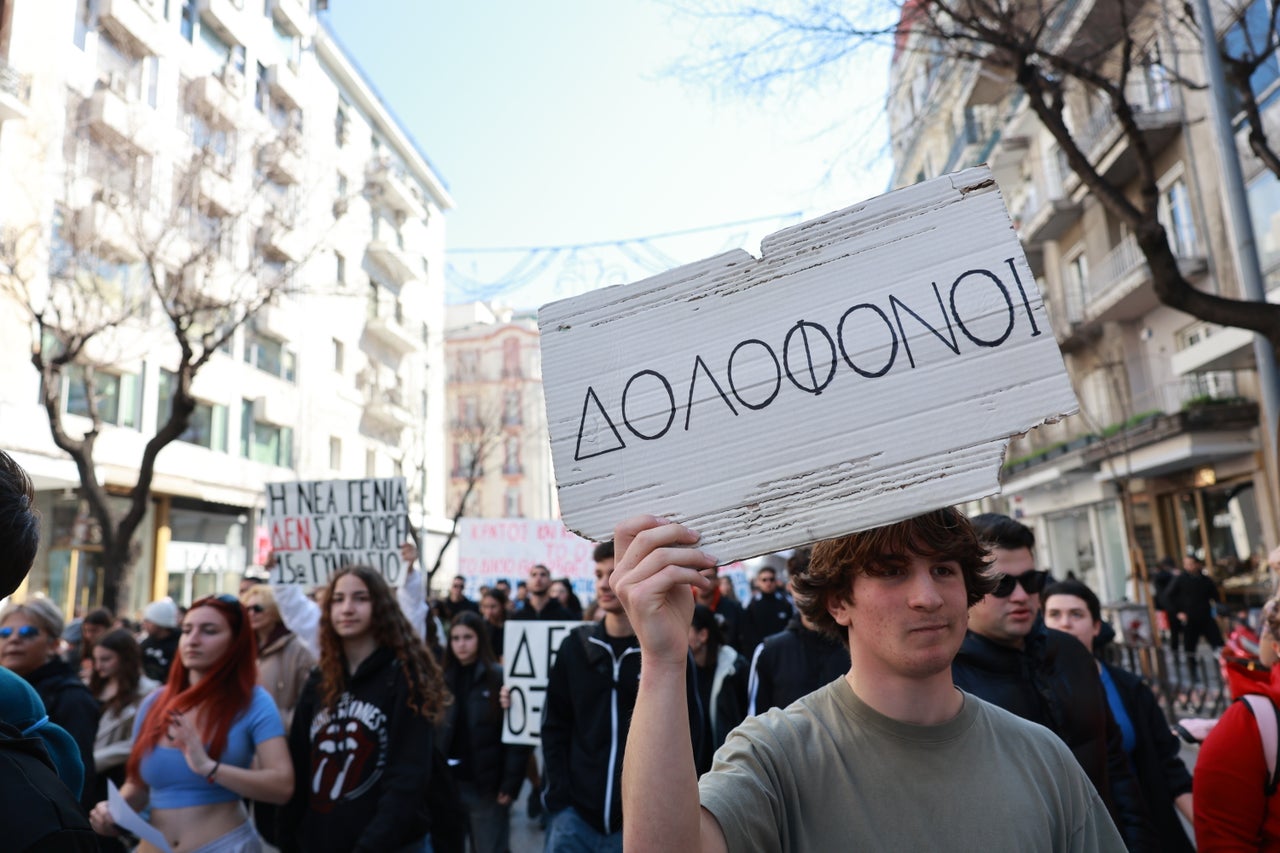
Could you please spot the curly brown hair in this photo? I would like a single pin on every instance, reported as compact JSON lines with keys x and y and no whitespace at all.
{"x":834,"y":563}
{"x":427,"y":694}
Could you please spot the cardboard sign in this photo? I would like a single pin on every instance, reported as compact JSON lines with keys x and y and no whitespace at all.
{"x":870,"y":366}
{"x":528,"y":651}
{"x":493,"y":549}
{"x":318,"y":526}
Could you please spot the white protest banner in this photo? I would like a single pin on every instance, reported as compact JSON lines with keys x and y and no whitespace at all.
{"x":317,"y":526}
{"x":528,"y":651}
{"x":492,"y":549}
{"x":870,"y":366}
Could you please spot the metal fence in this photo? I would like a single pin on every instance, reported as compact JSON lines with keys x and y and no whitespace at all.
{"x":1184,"y":688}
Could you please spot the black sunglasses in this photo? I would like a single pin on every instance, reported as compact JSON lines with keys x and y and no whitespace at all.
{"x":26,"y":632}
{"x":1032,"y":583}
{"x":256,"y":608}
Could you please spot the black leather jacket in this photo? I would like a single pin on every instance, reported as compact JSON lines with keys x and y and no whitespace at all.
{"x":495,"y":767}
{"x":1054,"y":681}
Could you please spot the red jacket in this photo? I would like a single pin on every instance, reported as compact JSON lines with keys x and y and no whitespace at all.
{"x":1231,"y":807}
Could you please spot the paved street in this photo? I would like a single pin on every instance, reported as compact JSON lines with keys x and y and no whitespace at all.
{"x":526,"y":834}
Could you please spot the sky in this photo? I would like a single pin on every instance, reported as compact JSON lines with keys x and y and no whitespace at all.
{"x":559,"y":126}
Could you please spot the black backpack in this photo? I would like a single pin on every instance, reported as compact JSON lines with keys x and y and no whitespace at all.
{"x":38,"y":811}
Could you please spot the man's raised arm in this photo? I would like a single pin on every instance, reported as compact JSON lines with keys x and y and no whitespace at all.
{"x":656,"y":565}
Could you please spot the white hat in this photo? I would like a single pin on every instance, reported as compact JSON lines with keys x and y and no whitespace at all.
{"x":163,"y":613}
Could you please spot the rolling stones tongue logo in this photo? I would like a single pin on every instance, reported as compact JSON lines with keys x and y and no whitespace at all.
{"x":343,"y":748}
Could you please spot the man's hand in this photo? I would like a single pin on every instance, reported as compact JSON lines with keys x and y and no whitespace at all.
{"x":656,"y":565}
{"x":409,"y":553}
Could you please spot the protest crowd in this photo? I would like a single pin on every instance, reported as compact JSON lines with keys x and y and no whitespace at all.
{"x":928,"y":664}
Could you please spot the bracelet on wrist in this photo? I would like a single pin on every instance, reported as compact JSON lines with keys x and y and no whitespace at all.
{"x":213,"y":772}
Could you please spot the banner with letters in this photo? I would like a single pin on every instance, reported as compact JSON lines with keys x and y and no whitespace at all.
{"x":493,"y":549}
{"x":318,"y":526}
{"x":529,"y":650}
{"x":869,"y":366}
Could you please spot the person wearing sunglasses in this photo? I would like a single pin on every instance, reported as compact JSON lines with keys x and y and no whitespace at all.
{"x":29,"y":635}
{"x":1010,"y":659}
{"x":207,"y":741}
{"x":284,"y":662}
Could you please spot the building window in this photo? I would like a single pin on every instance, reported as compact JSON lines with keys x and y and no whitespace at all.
{"x":1174,"y":212}
{"x":187,"y":26}
{"x":371,"y":463}
{"x":339,"y":355}
{"x":511,"y":358}
{"x":1264,"y":206}
{"x":118,"y":395}
{"x":511,"y":465}
{"x":511,"y":408}
{"x":84,"y":16}
{"x":263,"y":442}
{"x":1251,"y":37}
{"x":340,"y":268}
{"x":341,"y":126}
{"x":207,"y":425}
{"x":1075,"y":284}
{"x":335,"y":453}
{"x":260,"y":93}
{"x":270,"y":355}
{"x":511,"y":503}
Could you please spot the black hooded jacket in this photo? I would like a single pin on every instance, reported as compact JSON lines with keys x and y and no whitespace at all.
{"x":591,"y":693}
{"x":361,"y":771}
{"x":492,"y":766}
{"x":793,"y":663}
{"x":1054,"y":681}
{"x":70,"y":704}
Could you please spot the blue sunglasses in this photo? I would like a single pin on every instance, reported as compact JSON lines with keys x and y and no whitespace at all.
{"x":26,"y":632}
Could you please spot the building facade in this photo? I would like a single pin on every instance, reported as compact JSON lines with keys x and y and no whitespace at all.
{"x":499,"y":448}
{"x":1166,"y":455}
{"x":242,"y":125}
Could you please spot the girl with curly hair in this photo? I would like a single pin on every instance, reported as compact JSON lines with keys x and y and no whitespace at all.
{"x":209,"y":740}
{"x":362,"y":735}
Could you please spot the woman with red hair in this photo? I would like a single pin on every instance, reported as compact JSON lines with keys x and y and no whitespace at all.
{"x":208,"y":740}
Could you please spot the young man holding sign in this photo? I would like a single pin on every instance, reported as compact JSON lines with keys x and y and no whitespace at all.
{"x":891,"y":756}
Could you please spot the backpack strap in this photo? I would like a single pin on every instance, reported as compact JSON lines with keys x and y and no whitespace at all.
{"x":1268,"y":720}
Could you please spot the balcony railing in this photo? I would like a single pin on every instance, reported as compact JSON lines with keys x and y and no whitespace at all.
{"x":1150,"y":94}
{"x":13,"y":83}
{"x":1117,"y":266}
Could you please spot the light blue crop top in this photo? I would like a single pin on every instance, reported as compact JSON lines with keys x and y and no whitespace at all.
{"x":173,"y":784}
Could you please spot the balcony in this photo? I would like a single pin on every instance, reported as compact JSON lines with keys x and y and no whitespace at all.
{"x":1218,"y":348}
{"x":130,"y":23}
{"x":390,"y":183}
{"x":276,"y":409}
{"x":286,"y":84}
{"x":279,"y":321}
{"x":385,"y":323}
{"x":218,"y":97}
{"x":399,"y":263}
{"x":292,"y":15}
{"x":279,"y":239}
{"x":1157,"y":113}
{"x":110,"y":114}
{"x":15,"y":93}
{"x":227,"y":18}
{"x":106,"y":227}
{"x":281,"y":161}
{"x":383,"y":399}
{"x":1119,"y":288}
{"x":217,"y":189}
{"x":1047,"y":211}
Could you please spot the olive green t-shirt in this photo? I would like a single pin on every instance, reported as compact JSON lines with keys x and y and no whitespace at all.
{"x":830,"y":773}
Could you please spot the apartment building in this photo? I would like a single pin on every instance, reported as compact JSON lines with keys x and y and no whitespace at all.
{"x":1168,"y":403}
{"x":301,"y":176}
{"x":499,"y":449}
